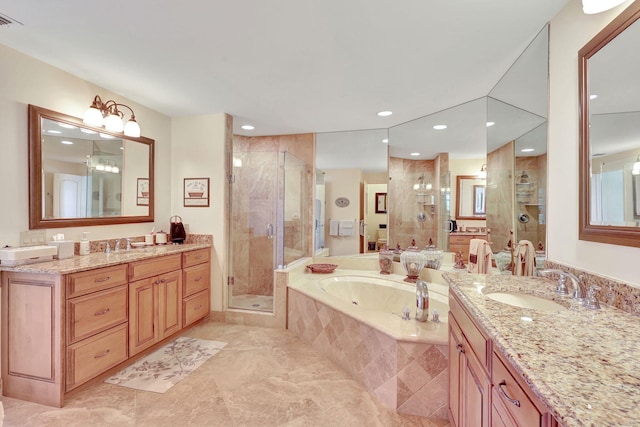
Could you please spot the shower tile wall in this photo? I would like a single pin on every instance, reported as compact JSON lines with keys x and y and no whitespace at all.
{"x":402,"y":207}
{"x":254,"y":199}
{"x":500,"y":164}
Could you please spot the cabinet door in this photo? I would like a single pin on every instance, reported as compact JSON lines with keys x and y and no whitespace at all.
{"x":474,"y":400}
{"x":143,"y":311}
{"x":455,"y":355}
{"x":169,"y":303}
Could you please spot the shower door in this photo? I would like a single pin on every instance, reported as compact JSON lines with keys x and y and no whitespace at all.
{"x":252,"y":229}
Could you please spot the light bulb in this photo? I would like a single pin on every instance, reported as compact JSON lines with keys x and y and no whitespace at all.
{"x":108,"y":168}
{"x":132,"y":128}
{"x":113,"y":123}
{"x":93,"y":117}
{"x":115,"y":169}
{"x":100,"y":166}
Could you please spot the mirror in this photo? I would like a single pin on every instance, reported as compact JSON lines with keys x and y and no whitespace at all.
{"x":470,"y":197}
{"x":80,"y":175}
{"x":609,"y":132}
{"x":517,"y":148}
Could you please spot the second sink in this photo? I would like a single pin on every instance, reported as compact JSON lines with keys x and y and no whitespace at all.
{"x":526,"y":301}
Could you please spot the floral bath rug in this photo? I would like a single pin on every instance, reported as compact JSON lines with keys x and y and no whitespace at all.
{"x":164,"y":368}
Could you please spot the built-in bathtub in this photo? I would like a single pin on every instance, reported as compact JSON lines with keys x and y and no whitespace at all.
{"x":355,"y":319}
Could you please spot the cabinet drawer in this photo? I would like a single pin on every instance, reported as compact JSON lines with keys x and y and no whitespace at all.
{"x":199,"y":256}
{"x":459,"y":240}
{"x":195,"y":307}
{"x":477,"y":341}
{"x":507,"y":390}
{"x":87,"y":282}
{"x":153,"y":267}
{"x":96,"y":312}
{"x":91,"y":357}
{"x":195,"y":279}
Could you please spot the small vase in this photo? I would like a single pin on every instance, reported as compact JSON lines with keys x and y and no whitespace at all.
{"x":385,"y":259}
{"x":413,"y":262}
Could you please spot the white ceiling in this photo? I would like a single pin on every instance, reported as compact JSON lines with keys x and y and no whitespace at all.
{"x":285,"y":66}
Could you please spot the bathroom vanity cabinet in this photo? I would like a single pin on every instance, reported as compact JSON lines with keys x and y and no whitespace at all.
{"x":61,"y":330}
{"x":484,"y":390}
{"x":459,"y":242}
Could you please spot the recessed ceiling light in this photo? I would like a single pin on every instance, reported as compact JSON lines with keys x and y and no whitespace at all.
{"x":385,"y":113}
{"x":248,"y":127}
{"x":89,"y":131}
{"x":490,"y":124}
{"x":64,"y":125}
{"x":414,"y":154}
{"x":594,"y":96}
{"x":54,"y":131}
{"x":440,"y":127}
{"x":106,"y":136}
{"x":386,"y":140}
{"x":527,"y":150}
{"x":66,"y":142}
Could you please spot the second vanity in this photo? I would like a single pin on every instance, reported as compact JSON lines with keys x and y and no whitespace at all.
{"x":528,"y":361}
{"x":67,"y":322}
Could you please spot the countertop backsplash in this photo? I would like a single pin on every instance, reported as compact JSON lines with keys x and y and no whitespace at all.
{"x":614,"y":293}
{"x":98,"y":245}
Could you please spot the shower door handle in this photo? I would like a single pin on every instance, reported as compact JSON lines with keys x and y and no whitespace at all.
{"x":269,"y":231}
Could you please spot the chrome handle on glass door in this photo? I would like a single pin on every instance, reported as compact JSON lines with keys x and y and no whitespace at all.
{"x":269,"y":231}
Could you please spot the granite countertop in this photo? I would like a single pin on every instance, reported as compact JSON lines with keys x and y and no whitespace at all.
{"x":100,"y":259}
{"x":583,"y":364}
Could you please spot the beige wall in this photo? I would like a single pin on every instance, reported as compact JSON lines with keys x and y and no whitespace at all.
{"x":570,"y":30}
{"x":342,"y":183}
{"x":500,"y":195}
{"x":24,"y":81}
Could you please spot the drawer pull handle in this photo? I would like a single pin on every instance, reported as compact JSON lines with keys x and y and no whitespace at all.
{"x":102,"y":279}
{"x":101,"y":355}
{"x":102,"y":312}
{"x":197,"y":279}
{"x":514,"y":401}
{"x":199,"y":257}
{"x":197,"y":307}
{"x":460,"y":348}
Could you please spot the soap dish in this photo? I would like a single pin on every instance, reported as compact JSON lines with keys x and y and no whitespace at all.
{"x":322,"y":268}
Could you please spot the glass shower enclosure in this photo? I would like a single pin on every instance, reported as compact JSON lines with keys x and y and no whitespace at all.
{"x":266,"y":229}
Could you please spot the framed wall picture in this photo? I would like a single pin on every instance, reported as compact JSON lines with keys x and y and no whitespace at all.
{"x":196,"y":192}
{"x":142,"y":195}
{"x":381,"y":202}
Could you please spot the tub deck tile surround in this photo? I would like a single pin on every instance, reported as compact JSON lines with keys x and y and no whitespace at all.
{"x":410,"y":377}
{"x":582,"y":364}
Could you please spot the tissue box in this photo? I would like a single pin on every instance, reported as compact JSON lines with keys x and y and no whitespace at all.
{"x":65,"y":248}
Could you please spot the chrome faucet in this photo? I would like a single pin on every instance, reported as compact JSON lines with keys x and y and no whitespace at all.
{"x":107,"y":249}
{"x":128,"y":240}
{"x":422,"y":301}
{"x":579,"y":292}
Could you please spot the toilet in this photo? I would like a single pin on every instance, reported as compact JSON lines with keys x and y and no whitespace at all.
{"x":382,"y":237}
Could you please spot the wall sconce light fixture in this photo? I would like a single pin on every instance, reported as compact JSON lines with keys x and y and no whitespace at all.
{"x":107,"y":113}
{"x":636,"y":167}
{"x":483,"y":172}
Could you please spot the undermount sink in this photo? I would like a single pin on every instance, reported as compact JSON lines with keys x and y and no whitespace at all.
{"x":526,"y":301}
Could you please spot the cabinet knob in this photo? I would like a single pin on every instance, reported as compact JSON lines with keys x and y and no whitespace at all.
{"x":459,"y":348}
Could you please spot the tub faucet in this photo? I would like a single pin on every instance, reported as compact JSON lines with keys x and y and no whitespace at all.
{"x":422,"y":301}
{"x":579,"y":292}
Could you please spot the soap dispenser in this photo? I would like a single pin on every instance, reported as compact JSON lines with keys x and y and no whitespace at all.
{"x":85,"y":247}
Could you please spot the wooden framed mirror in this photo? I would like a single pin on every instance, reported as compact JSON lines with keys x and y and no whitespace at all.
{"x":609,"y":94}
{"x":470,"y":197}
{"x":83,"y":176}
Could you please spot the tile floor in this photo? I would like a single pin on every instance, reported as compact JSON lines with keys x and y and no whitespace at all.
{"x":263,"y":377}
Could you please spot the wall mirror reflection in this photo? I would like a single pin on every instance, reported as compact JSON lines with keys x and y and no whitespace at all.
{"x":84,"y":176}
{"x":470,"y":197}
{"x":610,"y":132}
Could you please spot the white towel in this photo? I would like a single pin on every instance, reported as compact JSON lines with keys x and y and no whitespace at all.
{"x":346,"y":227}
{"x":479,"y":256}
{"x":333,"y":227}
{"x":525,"y":259}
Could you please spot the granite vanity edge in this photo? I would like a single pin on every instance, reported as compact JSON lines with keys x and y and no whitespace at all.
{"x":99,"y":259}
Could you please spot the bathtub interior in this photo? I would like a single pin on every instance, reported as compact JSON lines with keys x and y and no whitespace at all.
{"x":382,"y":295}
